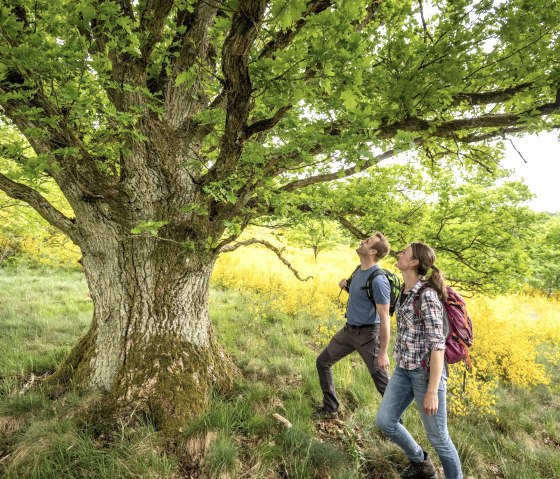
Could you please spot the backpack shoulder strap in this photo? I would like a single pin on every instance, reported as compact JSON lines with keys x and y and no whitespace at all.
{"x":417,"y":305}
{"x":349,"y":280}
{"x":417,"y":302}
{"x":374,"y":274}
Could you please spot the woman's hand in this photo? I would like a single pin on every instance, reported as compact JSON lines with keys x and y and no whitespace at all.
{"x":430,"y":403}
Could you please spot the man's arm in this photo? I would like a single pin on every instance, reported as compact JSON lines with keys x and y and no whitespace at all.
{"x":381,"y":290}
{"x":384,"y":335}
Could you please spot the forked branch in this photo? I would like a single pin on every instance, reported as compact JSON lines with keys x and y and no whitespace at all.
{"x":277,"y":251}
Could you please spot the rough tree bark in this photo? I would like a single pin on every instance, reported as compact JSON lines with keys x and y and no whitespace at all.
{"x":150,"y":346}
{"x":150,"y":343}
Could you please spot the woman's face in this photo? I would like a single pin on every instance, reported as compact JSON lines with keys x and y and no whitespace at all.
{"x":406,"y":262}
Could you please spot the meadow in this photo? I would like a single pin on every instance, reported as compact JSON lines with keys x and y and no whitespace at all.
{"x":505,"y":422}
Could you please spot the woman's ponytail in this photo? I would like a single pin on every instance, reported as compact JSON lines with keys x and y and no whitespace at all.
{"x":437,"y":281}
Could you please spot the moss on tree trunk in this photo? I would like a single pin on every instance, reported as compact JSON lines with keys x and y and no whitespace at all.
{"x":150,"y":348}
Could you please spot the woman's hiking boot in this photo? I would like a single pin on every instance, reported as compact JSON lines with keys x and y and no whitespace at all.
{"x":420,"y":470}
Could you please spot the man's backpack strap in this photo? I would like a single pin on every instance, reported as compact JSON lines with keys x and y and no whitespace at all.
{"x":369,"y":282}
{"x":394,"y":286}
{"x":349,"y":280}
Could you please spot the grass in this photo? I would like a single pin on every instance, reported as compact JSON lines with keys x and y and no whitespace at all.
{"x":42,"y":315}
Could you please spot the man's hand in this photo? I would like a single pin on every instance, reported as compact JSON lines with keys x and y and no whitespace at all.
{"x":383,"y":361}
{"x":430,"y":403}
{"x":343,"y":284}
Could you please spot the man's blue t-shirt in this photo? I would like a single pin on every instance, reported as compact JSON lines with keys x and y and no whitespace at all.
{"x":360,"y":310}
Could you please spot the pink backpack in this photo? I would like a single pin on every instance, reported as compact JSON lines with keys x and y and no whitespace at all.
{"x":457,"y":326}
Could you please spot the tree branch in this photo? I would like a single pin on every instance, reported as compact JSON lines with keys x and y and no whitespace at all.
{"x":487,"y":97}
{"x":267,"y":124}
{"x":371,"y":10}
{"x":271,"y":247}
{"x":284,"y":38}
{"x":475,"y":138}
{"x":29,"y":91}
{"x":237,"y":83}
{"x":343,"y":173}
{"x":504,"y":124}
{"x":153,"y":15}
{"x":424,"y":26}
{"x":58,"y":135}
{"x":449,"y":129}
{"x":193,"y":43}
{"x":122,"y":64}
{"x":189,"y":52}
{"x":194,"y":133}
{"x":314,"y":7}
{"x":126,"y":7}
{"x":517,"y":151}
{"x":24,"y":193}
{"x":186,"y":20}
{"x":350,"y":227}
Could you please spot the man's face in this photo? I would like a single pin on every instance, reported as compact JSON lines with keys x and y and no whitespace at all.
{"x":366,"y":246}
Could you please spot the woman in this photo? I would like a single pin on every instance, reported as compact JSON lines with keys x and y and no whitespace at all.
{"x":420,"y":374}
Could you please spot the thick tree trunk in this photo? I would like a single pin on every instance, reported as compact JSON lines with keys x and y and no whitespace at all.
{"x":150,"y":345}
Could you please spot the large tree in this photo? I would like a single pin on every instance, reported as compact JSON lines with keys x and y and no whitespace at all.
{"x":169,"y":124}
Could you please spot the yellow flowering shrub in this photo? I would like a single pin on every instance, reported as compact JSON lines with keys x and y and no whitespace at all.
{"x":507,"y":335}
{"x":50,"y":251}
{"x":256,"y":268}
{"x":325,"y":332}
{"x":476,"y":398}
{"x":513,"y":333}
{"x":26,"y":239}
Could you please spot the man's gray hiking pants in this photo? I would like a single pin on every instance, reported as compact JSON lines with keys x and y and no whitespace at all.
{"x":366,"y":341}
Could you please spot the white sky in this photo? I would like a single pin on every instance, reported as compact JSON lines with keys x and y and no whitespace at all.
{"x":542,"y":170}
{"x":539,"y":168}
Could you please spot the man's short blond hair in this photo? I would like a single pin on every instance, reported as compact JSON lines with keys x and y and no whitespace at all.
{"x":382,"y":245}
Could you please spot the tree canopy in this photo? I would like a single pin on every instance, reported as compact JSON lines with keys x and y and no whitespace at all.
{"x":247,"y":101}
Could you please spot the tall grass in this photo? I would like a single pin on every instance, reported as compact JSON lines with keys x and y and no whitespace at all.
{"x":275,"y":344}
{"x":42,"y":314}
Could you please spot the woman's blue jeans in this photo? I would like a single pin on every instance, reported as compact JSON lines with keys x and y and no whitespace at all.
{"x":404,"y":387}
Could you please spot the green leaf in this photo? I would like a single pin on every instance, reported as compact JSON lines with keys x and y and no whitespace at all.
{"x":150,"y":227}
{"x":349,"y":98}
{"x":195,"y":208}
{"x":186,"y":77}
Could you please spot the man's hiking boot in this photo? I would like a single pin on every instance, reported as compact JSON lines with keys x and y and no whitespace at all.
{"x":420,"y":470}
{"x":323,"y":414}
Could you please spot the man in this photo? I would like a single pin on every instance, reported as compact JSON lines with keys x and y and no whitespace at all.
{"x":367,"y":328}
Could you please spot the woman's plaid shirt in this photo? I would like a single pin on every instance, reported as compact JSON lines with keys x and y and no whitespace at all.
{"x":416,"y":336}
